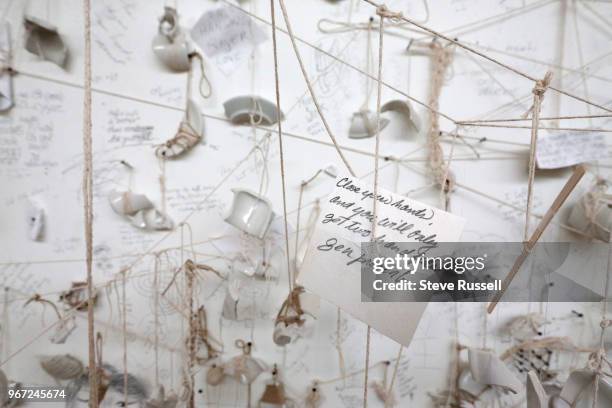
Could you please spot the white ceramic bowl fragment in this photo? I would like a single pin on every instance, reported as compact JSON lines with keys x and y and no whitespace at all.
{"x":240,"y":109}
{"x":404,"y":108}
{"x":250,"y":213}
{"x":42,"y":39}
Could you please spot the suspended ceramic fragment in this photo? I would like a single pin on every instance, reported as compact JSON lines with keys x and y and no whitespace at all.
{"x":488,"y":369}
{"x":331,"y":171}
{"x":274,"y":393}
{"x":250,"y":268}
{"x":170,"y":44}
{"x":591,"y":214}
{"x":62,"y":367}
{"x":578,"y":390}
{"x":241,"y":110}
{"x":215,"y":374}
{"x":139,"y":210}
{"x":62,"y":330}
{"x":244,"y":368}
{"x":469,"y":385}
{"x":36,"y":221}
{"x":536,"y":395}
{"x":162,"y":400}
{"x":294,"y":319}
{"x":363,"y":124}
{"x":43,"y":40}
{"x":128,"y":203}
{"x":189,"y":134}
{"x":404,"y":108}
{"x":250,"y":213}
{"x":77,"y":297}
{"x":6,"y":72}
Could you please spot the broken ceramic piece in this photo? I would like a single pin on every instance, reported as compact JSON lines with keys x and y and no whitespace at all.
{"x":36,"y":221}
{"x":488,"y":369}
{"x":43,"y":40}
{"x":62,"y":330}
{"x":592,"y":213}
{"x":6,"y":73}
{"x":331,"y":171}
{"x":162,"y":400}
{"x":536,"y":395}
{"x":240,"y":110}
{"x":296,"y":317}
{"x":250,"y":213}
{"x":139,"y":210}
{"x":578,"y":389}
{"x":469,"y":385}
{"x":189,"y":134}
{"x":274,"y":393}
{"x":363,"y":124}
{"x":404,"y":108}
{"x":230,"y":303}
{"x":170,"y":44}
{"x":62,"y":366}
{"x":128,"y":203}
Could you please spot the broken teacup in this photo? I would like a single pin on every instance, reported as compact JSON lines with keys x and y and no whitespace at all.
{"x":170,"y":44}
{"x":412,"y":120}
{"x":250,"y":213}
{"x":244,"y":110}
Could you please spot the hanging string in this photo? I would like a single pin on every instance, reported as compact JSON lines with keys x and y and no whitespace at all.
{"x":538,"y":94}
{"x":309,"y":84}
{"x":88,"y":205}
{"x":125,"y":334}
{"x":280,"y":143}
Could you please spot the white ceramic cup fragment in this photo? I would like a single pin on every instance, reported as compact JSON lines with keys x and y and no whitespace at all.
{"x":240,"y":109}
{"x":250,"y":213}
{"x":413,"y":122}
{"x":363,"y":124}
{"x":488,"y":369}
{"x":170,"y":43}
{"x":43,"y":39}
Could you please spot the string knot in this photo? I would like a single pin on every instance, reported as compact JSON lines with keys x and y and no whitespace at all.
{"x":605,"y":323}
{"x":383,"y":12}
{"x":542,"y":85}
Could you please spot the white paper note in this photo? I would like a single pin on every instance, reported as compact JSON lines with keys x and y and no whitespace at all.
{"x":559,"y":150}
{"x":227,"y":36}
{"x":331,"y":268}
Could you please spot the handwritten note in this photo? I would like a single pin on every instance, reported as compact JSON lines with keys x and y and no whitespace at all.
{"x":332,"y":265}
{"x":559,"y":150}
{"x":227,"y":36}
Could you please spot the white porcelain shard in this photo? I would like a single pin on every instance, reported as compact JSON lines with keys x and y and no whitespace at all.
{"x":404,"y":108}
{"x":43,"y":39}
{"x":363,"y":124}
{"x":6,"y":77}
{"x":170,"y":44}
{"x":536,"y":395}
{"x":488,"y":369}
{"x":578,"y":390}
{"x":35,"y":216}
{"x":467,"y":384}
{"x":128,"y":203}
{"x":250,"y":213}
{"x":244,"y":368}
{"x":152,"y":220}
{"x":189,"y":134}
{"x":232,"y":297}
{"x":240,"y":110}
{"x":331,"y":171}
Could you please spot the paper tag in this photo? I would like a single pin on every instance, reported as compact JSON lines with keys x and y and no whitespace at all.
{"x":559,"y":150}
{"x":227,"y":36}
{"x":331,"y":268}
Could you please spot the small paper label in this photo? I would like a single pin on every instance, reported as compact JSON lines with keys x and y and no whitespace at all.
{"x":558,"y":150}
